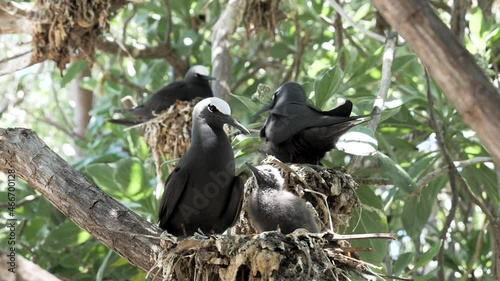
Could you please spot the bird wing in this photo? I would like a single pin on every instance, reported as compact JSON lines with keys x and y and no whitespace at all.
{"x":341,"y":110}
{"x":174,"y":186}
{"x":231,"y":212}
{"x":166,"y":96}
{"x":288,"y":120}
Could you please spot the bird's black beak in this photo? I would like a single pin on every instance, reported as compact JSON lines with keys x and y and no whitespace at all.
{"x":231,"y":121}
{"x":255,"y":171}
{"x":206,"y":77}
{"x":258,"y":113}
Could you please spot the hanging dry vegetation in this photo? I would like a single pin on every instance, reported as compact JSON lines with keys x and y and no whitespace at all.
{"x":262,"y":15}
{"x":68,"y":27}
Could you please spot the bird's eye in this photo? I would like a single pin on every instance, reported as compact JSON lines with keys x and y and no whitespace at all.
{"x":212,"y":108}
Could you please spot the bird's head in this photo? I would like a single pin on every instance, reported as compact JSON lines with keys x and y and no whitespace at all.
{"x":267,"y":176}
{"x":216,"y":112}
{"x":198,"y":73}
{"x":288,"y":92}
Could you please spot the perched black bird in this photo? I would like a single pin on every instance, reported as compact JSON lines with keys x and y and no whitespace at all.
{"x":202,"y":192}
{"x":195,"y":84}
{"x":297,"y":132}
{"x":271,"y":207}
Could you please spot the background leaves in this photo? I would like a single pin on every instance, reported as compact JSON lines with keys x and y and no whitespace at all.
{"x":403,"y":149}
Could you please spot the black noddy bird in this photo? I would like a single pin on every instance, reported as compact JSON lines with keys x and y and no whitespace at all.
{"x":202,"y":192}
{"x":271,"y":206}
{"x":296,"y":132}
{"x":195,"y":84}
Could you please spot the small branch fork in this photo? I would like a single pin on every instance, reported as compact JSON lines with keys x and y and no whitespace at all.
{"x":385,"y":82}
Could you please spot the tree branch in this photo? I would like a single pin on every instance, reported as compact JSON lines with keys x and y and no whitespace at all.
{"x":13,"y":25}
{"x":221,"y":44}
{"x":385,"y":82}
{"x":18,"y":62}
{"x":450,"y":65}
{"x":452,"y":175}
{"x":361,"y":29}
{"x":77,"y":198}
{"x":425,"y":180}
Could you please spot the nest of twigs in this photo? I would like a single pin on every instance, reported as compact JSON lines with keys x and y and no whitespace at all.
{"x":66,"y":27}
{"x":262,"y":15}
{"x":272,"y":255}
{"x":266,"y":256}
{"x":168,"y":135}
{"x":331,"y":192}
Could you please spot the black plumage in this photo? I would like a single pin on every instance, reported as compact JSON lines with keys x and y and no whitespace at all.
{"x":195,"y":84}
{"x":271,"y":207}
{"x":296,"y":132}
{"x":203,"y":192}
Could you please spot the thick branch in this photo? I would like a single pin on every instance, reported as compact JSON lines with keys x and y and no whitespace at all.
{"x":18,"y":62}
{"x":221,"y":44}
{"x":110,"y":222}
{"x":11,"y":25}
{"x":450,"y":65}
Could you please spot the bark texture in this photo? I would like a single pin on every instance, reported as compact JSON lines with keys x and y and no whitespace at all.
{"x":450,"y":65}
{"x":221,"y":43}
{"x":75,"y":196}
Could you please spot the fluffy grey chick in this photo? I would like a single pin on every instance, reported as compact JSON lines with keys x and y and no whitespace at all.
{"x":271,"y":207}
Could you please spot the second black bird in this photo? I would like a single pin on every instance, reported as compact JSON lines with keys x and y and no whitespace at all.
{"x":296,"y":132}
{"x":195,"y":84}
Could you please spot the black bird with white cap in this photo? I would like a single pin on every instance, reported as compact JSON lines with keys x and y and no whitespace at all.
{"x":195,"y":84}
{"x":202,"y":192}
{"x":271,"y":207}
{"x":296,"y":132}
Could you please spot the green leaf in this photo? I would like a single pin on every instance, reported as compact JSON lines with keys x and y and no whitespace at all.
{"x":101,"y":174}
{"x":413,"y":221}
{"x":402,"y":261}
{"x":327,"y":84}
{"x":401,"y":62}
{"x":62,"y":236}
{"x":476,"y":22}
{"x":420,"y":166}
{"x":75,"y":69}
{"x":102,"y":268}
{"x":388,"y":113}
{"x":129,"y":176}
{"x":362,"y":12}
{"x":431,"y":275}
{"x":358,"y":141}
{"x":369,"y":219}
{"x":248,"y":103}
{"x":426,"y":257}
{"x":394,"y":171}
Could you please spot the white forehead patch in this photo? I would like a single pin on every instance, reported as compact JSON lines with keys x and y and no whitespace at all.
{"x":220,"y":104}
{"x":199,"y":69}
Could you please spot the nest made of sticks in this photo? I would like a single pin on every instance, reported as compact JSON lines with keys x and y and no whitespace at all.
{"x":272,"y":255}
{"x":168,"y":135}
{"x":330,"y":192}
{"x":266,"y":256}
{"x":262,"y":15}
{"x":65,"y":27}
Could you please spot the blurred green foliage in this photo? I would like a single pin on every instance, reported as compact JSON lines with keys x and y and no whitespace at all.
{"x":119,"y":162}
